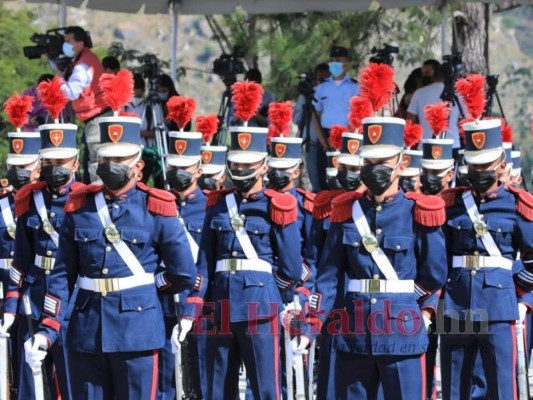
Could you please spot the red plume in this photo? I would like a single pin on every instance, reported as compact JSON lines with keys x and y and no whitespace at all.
{"x":208,"y":125}
{"x":461,"y":130}
{"x":247,"y":98}
{"x":437,"y":117}
{"x":51,"y":96}
{"x":118,"y":89}
{"x":17,"y":108}
{"x":360,"y":108}
{"x":335,"y":136}
{"x":507,"y":132}
{"x":127,"y":114}
{"x":412,"y":134}
{"x":180,"y":110}
{"x":280,"y":115}
{"x":472,"y":90}
{"x":377,"y":84}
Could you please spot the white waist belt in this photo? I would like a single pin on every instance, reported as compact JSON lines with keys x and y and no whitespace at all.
{"x":474,"y":262}
{"x":108,"y":285}
{"x":5,"y":263}
{"x":234,"y":264}
{"x":381,"y":286}
{"x":46,"y":263}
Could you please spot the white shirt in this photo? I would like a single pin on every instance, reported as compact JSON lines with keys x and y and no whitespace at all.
{"x":82,"y":76}
{"x":428,"y":95}
{"x":140,"y":110}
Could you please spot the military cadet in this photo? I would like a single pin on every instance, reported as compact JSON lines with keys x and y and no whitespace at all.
{"x":391,"y":246}
{"x":213,"y":168}
{"x":39,"y":210}
{"x":111,"y":242}
{"x":183,"y":172}
{"x":332,"y":165}
{"x":248,"y":233}
{"x":462,"y":171}
{"x":505,"y":177}
{"x":487,"y":225}
{"x":410,"y":177}
{"x":516,"y":172}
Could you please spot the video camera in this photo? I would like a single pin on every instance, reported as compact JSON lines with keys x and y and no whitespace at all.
{"x":227,"y":66}
{"x":151,"y":71}
{"x":306,"y":84}
{"x":50,"y":43}
{"x":451,"y":69}
{"x":384,"y":55}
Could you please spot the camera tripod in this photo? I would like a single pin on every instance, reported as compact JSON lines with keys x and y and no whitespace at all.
{"x":160,"y":131}
{"x":223,"y":110}
{"x":492,"y":92}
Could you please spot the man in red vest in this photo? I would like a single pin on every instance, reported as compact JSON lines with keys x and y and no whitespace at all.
{"x":81,"y":86}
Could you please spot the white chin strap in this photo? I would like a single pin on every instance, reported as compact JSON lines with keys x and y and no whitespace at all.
{"x":243,"y":178}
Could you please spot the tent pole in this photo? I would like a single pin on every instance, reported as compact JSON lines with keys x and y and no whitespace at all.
{"x":445,"y":49}
{"x":174,"y":49}
{"x":63,"y":13}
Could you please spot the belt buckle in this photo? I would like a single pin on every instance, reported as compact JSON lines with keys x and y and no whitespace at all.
{"x":472,"y":262}
{"x":374,"y":286}
{"x":47,"y":263}
{"x":232,"y":265}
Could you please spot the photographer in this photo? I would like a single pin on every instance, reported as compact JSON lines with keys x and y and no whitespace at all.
{"x":431,"y":94}
{"x":332,"y":103}
{"x":81,"y":86}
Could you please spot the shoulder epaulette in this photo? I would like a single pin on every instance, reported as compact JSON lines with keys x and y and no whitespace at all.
{"x":24,"y":196}
{"x":76,"y":198}
{"x":524,"y":202}
{"x":76,"y":186}
{"x":341,"y":206}
{"x":322,"y":206}
{"x":283,"y":207}
{"x":159,"y":201}
{"x":450,"y":195}
{"x":214,"y":196}
{"x":429,"y":210}
{"x":309,"y":198}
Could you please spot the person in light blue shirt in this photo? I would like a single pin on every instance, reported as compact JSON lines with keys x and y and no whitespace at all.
{"x":332,"y":103}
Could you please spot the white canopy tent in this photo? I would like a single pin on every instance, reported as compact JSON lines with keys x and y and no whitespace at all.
{"x":202,"y":7}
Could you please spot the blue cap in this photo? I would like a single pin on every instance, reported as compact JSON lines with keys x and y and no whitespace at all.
{"x":119,"y":136}
{"x":248,"y":144}
{"x":339,"y":51}
{"x":23,"y":147}
{"x":382,"y":137}
{"x":58,"y":140}
{"x":332,"y":162}
{"x":483,"y":141}
{"x":507,"y":148}
{"x":350,"y":148}
{"x":184,"y":148}
{"x":412,"y":159}
{"x":213,"y":159}
{"x":438,"y":153}
{"x":515,"y":157}
{"x":286,"y":152}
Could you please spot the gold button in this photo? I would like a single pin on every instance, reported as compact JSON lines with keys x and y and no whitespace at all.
{"x":47,"y":272}
{"x":482,"y":200}
{"x":449,"y":280}
{"x":373,"y":301}
{"x":199,"y":230}
{"x":473,"y":273}
{"x":245,"y":201}
{"x":232,"y":272}
{"x":11,"y":253}
{"x":134,"y":241}
{"x":476,"y":253}
{"x":234,"y":253}
{"x":54,"y":196}
{"x":243,"y":216}
{"x":379,"y":208}
{"x":105,"y":271}
{"x":398,"y":247}
{"x":139,"y":308}
{"x":356,"y":243}
{"x":459,"y":227}
{"x":499,"y":230}
{"x":183,"y":203}
{"x":36,"y":226}
{"x":116,"y":206}
{"x":48,"y":252}
{"x":219,"y":228}
{"x":85,"y":239}
{"x":256,"y":231}
{"x":104,"y":294}
{"x":52,"y":214}
{"x":108,"y":249}
{"x":261,"y":284}
{"x":375,"y":276}
{"x":378,"y":231}
{"x":499,"y":285}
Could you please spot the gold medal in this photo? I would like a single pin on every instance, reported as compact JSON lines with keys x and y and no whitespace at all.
{"x":11,"y":229}
{"x":370,"y":242}
{"x":111,"y":233}
{"x":48,"y":228}
{"x":480,"y":226}
{"x":237,"y":222}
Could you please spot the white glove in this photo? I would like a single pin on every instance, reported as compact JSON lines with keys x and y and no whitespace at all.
{"x":286,"y":319}
{"x":4,"y":328}
{"x":522,"y":311}
{"x":180,"y":332}
{"x":427,"y":322}
{"x":300,"y":348}
{"x":36,"y":352}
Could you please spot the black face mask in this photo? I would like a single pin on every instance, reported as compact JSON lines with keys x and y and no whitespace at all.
{"x":462,"y":181}
{"x":407,"y":184}
{"x":482,"y":181}
{"x":207,"y":183}
{"x":377,"y":178}
{"x":18,"y":177}
{"x":113,"y":175}
{"x":179,"y":180}
{"x":431,"y":184}
{"x":278,"y":179}
{"x":55,"y":176}
{"x":333,"y":183}
{"x":243,"y":185}
{"x":349,"y":180}
{"x":427,"y":80}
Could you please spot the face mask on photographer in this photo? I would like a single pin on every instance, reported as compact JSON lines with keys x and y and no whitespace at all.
{"x":68,"y":50}
{"x":163,"y":96}
{"x":336,"y":68}
{"x":137,"y":101}
{"x":115,"y":175}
